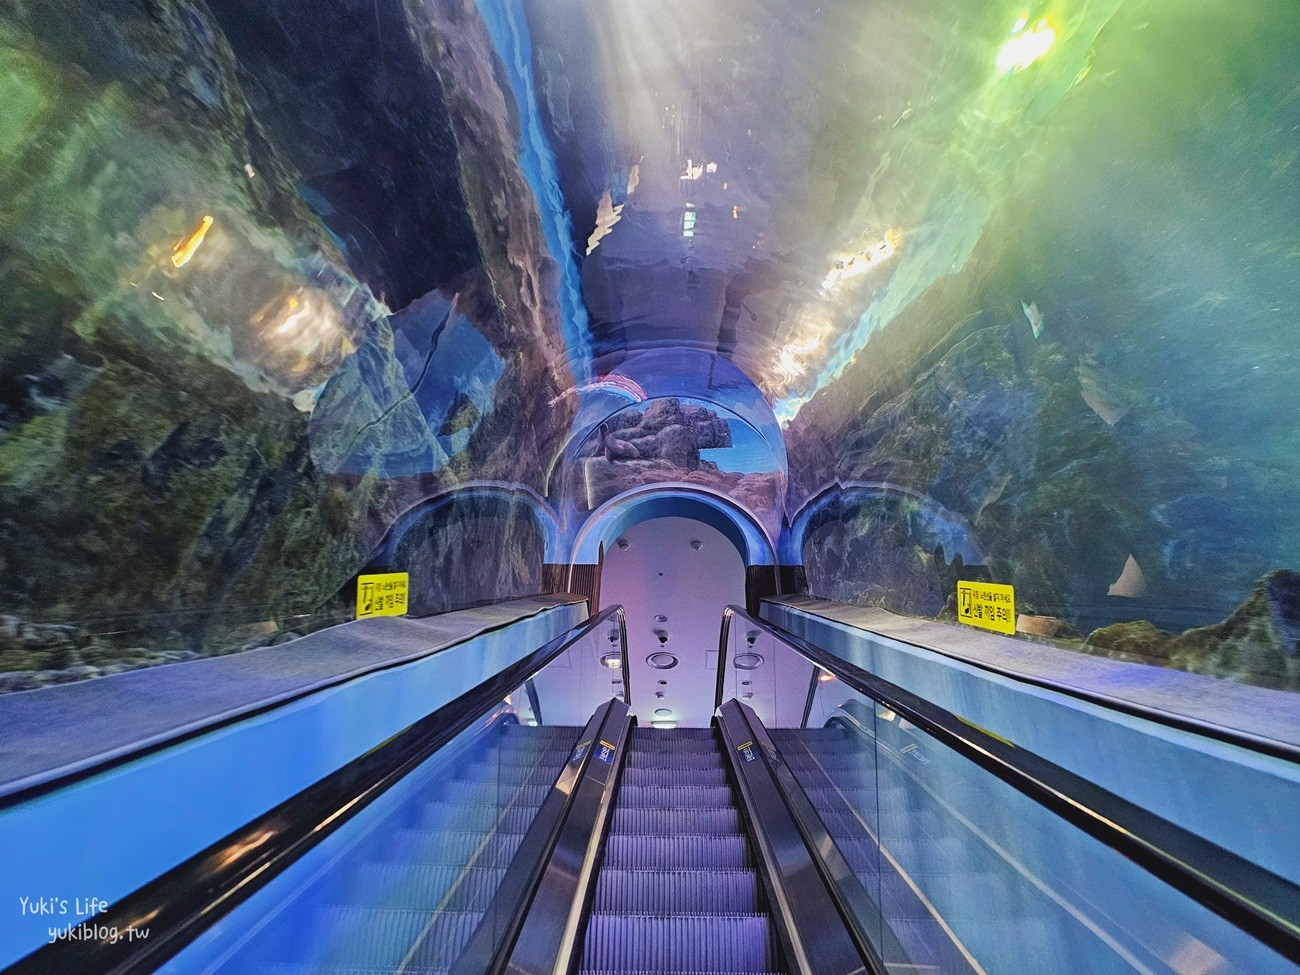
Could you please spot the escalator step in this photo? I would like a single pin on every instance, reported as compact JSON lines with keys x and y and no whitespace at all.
{"x":663,"y":892}
{"x":297,"y":969}
{"x":674,"y":776}
{"x":685,"y":759}
{"x":669,"y":822}
{"x":521,"y":795}
{"x":363,"y":937}
{"x":669,"y":749}
{"x":672,"y":746}
{"x":536,"y":732}
{"x":661,"y":735}
{"x":677,"y":853}
{"x":940,"y":854}
{"x":507,"y":777}
{"x":861,"y":854}
{"x":830,"y":798}
{"x":681,"y":944}
{"x":481,"y":818}
{"x":654,"y":797}
{"x":407,"y":887}
{"x":450,"y":848}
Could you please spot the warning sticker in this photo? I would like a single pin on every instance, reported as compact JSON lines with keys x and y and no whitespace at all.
{"x":606,"y":752}
{"x":987,"y":605}
{"x":382,"y":595}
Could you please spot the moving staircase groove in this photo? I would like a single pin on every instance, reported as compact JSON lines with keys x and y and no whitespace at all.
{"x":678,"y":891}
{"x":411,"y":903}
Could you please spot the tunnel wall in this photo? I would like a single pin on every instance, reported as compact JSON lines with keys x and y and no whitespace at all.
{"x":1086,"y":349}
{"x":269,"y":277}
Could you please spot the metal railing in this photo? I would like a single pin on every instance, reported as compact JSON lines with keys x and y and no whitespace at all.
{"x":1258,"y":902}
{"x":191,"y":897}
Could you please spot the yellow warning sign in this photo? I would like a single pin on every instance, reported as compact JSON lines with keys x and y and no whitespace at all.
{"x":382,"y":595}
{"x":987,"y":605}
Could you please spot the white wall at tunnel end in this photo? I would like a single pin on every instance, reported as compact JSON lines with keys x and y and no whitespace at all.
{"x":674,"y":578}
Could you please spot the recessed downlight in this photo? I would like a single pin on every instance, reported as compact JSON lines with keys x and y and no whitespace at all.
{"x":662,"y":660}
{"x":663,"y":712}
{"x":612,"y":660}
{"x":748,"y":661}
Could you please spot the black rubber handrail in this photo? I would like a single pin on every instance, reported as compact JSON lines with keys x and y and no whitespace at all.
{"x":189,"y":898}
{"x":494,"y":947}
{"x":1253,"y":899}
{"x":549,"y":939}
{"x":815,"y":932}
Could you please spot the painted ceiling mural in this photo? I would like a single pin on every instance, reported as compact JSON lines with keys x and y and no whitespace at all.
{"x":933,"y":290}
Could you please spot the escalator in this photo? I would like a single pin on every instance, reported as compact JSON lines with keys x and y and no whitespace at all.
{"x":412,"y":896}
{"x":678,"y":891}
{"x":830,"y":825}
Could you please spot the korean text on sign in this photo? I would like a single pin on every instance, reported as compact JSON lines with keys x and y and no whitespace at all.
{"x":382,"y":595}
{"x":987,"y":605}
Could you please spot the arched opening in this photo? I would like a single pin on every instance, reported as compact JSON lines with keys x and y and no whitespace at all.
{"x":618,"y":515}
{"x":494,"y":496}
{"x":476,"y":544}
{"x":881,"y":544}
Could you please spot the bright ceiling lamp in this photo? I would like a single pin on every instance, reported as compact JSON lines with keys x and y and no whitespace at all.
{"x":1025,"y":45}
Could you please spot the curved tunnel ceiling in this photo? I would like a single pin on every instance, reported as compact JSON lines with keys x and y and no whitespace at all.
{"x":1008,"y":282}
{"x":715,"y":194}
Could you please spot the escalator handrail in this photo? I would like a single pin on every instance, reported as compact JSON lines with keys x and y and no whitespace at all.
{"x":816,"y":932}
{"x":186,"y":900}
{"x":1285,"y":750}
{"x":33,"y":787}
{"x":549,"y":938}
{"x":1253,"y":899}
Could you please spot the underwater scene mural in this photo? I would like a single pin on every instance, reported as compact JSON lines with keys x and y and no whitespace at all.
{"x":929,"y":291}
{"x":1088,"y":348}
{"x":679,"y":442}
{"x":250,"y":313}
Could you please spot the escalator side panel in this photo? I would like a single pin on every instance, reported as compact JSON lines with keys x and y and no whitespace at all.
{"x":812,"y":927}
